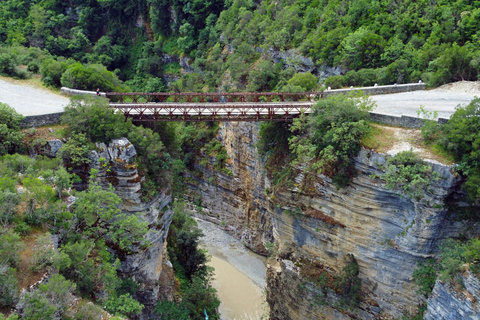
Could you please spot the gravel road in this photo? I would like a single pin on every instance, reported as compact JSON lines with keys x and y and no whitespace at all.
{"x":30,"y":101}
{"x":408,"y":103}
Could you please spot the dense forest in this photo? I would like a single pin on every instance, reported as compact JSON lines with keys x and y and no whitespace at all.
{"x":215,"y":45}
{"x":239,"y":45}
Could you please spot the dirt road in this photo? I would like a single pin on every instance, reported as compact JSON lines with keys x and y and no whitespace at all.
{"x":28,"y":100}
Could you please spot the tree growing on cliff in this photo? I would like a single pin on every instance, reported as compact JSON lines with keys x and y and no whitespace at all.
{"x":330,"y":138}
{"x":98,"y":216}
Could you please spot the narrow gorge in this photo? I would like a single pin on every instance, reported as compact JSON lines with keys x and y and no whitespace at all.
{"x":315,"y":232}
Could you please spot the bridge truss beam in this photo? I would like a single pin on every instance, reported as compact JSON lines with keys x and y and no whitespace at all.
{"x":260,"y":111}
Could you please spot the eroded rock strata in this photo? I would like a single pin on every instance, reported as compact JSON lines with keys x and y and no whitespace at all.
{"x":450,"y":303}
{"x":149,"y":267}
{"x":315,"y":226}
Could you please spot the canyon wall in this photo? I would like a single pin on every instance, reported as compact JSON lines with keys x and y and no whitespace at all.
{"x":319,"y":229}
{"x":149,"y":267}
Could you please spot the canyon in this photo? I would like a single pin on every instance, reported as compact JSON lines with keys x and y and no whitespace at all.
{"x":313,"y":229}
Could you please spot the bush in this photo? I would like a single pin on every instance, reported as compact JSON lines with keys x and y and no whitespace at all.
{"x":8,"y":287}
{"x":52,"y":70}
{"x":10,"y":135}
{"x":406,"y":171}
{"x":33,"y":67}
{"x":330,"y":139}
{"x":335,"y":82}
{"x":425,"y":276}
{"x":93,"y":117}
{"x":123,"y":305}
{"x":90,"y":77}
{"x":10,"y":247}
{"x":8,"y":202}
{"x":461,"y":137}
{"x":8,"y":64}
{"x":88,"y":311}
{"x":307,"y":81}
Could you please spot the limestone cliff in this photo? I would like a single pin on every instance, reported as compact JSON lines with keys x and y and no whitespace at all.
{"x":315,"y":226}
{"x":235,"y":202}
{"x":149,"y":267}
{"x":449,"y":303}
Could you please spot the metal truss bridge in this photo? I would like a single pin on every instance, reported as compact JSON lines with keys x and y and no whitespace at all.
{"x":238,"y":106}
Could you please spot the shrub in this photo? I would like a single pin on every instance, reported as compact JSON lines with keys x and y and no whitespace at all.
{"x":8,"y":286}
{"x":8,"y":64}
{"x":8,"y":203}
{"x":33,"y":67}
{"x":406,"y":171}
{"x":88,"y":311}
{"x":93,"y":117}
{"x":123,"y":305}
{"x":51,"y":71}
{"x":10,"y":247}
{"x":330,"y":138}
{"x":89,"y":77}
{"x":425,"y":276}
{"x":171,"y":310}
{"x":10,"y":135}
{"x":461,"y":137}
{"x":335,"y":82}
{"x":307,"y":81}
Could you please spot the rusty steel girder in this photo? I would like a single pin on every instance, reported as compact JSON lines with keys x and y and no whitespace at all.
{"x":249,"y":111}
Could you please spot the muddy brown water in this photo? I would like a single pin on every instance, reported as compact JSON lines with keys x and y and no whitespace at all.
{"x":239,"y":275}
{"x":241,"y":299}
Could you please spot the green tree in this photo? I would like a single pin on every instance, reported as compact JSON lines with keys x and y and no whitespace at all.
{"x":10,"y":247}
{"x":307,"y":81}
{"x":99,"y":216}
{"x":330,"y":139}
{"x":94,"y":118}
{"x":10,"y":135}
{"x":8,"y":286}
{"x":461,"y":138}
{"x":123,"y":305}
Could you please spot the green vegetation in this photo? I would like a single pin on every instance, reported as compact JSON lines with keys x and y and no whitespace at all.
{"x":455,"y":257}
{"x":190,"y":269}
{"x":460,"y":138}
{"x":330,"y":138}
{"x":407,"y":172}
{"x":89,"y":119}
{"x":10,"y":135}
{"x":85,"y":265}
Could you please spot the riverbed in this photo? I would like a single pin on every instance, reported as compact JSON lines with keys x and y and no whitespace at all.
{"x":239,"y":275}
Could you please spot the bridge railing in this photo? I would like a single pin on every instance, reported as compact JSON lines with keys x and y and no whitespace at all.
{"x":221,"y":97}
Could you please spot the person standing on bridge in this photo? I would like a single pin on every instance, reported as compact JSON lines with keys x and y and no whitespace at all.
{"x":98,"y":92}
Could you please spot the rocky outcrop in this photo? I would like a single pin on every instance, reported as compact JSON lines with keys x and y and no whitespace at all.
{"x":149,"y":267}
{"x":315,"y":226}
{"x":387,"y":233}
{"x":451,"y":303}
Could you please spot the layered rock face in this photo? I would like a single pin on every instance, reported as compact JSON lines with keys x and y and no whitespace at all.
{"x":449,"y":303}
{"x":235,"y":202}
{"x":315,"y":226}
{"x":147,"y":266}
{"x":386,"y":232}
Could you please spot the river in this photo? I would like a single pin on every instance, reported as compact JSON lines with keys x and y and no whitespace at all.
{"x":239,"y":275}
